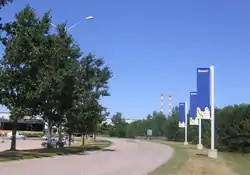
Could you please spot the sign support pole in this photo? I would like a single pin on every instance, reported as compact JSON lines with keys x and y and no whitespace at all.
{"x":212,"y":152}
{"x":199,"y":146}
{"x":186,"y":141}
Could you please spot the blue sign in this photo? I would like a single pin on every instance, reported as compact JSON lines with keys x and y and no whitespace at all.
{"x":182,"y":115}
{"x":203,"y":92}
{"x":193,"y":105}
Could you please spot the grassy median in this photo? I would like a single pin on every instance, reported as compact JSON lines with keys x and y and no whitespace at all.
{"x":239,"y":163}
{"x":92,"y":145}
{"x":187,"y":160}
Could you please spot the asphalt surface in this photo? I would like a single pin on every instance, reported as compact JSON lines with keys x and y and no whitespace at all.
{"x":21,"y":144}
{"x":124,"y":157}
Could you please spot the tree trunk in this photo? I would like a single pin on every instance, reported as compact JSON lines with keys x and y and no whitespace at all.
{"x":70,"y":136}
{"x":60,"y":132}
{"x":83,"y":140}
{"x":13,"y":139}
{"x":60,"y":135}
{"x":49,"y":132}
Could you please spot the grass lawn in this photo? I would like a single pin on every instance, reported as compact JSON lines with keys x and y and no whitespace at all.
{"x":91,"y":145}
{"x":187,"y":160}
{"x":240,"y":163}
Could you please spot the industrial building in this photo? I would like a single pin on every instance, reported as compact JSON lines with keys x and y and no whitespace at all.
{"x":27,"y":124}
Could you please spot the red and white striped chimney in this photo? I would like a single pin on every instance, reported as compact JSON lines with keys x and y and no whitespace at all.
{"x":161,"y":103}
{"x":169,"y":104}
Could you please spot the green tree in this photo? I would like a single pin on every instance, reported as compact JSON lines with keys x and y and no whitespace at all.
{"x":91,"y":83}
{"x":105,"y":128}
{"x":58,"y":70}
{"x":232,"y":128}
{"x":137,"y":128}
{"x":119,"y":124}
{"x":157,"y":124}
{"x":18,"y":66}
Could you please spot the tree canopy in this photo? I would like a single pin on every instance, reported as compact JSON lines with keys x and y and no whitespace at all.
{"x":44,"y":73}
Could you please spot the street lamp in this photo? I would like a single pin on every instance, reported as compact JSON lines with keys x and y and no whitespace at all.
{"x":71,"y":27}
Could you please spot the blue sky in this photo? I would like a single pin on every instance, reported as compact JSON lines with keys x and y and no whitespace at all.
{"x":155,"y":47}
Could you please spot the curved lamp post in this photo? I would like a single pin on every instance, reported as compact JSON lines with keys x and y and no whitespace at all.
{"x":71,"y":27}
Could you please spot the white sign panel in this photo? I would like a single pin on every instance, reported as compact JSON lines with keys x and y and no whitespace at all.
{"x":149,"y":132}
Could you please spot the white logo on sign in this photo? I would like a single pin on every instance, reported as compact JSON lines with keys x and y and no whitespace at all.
{"x":202,"y":70}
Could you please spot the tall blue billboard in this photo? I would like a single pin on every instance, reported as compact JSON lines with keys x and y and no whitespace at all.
{"x":193,"y":105}
{"x":203,"y":92}
{"x":182,"y":114}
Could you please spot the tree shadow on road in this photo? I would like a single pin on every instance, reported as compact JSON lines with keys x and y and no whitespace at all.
{"x":51,"y":152}
{"x":108,"y":150}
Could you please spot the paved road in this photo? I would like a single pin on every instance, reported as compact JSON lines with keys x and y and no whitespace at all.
{"x":124,"y":157}
{"x":21,"y":144}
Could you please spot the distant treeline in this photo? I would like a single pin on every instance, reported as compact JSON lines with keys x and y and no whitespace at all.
{"x":232,"y":124}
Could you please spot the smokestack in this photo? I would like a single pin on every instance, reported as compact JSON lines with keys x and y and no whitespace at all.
{"x":161,"y":103}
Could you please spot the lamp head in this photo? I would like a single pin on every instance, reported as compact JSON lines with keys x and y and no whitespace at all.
{"x":89,"y":18}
